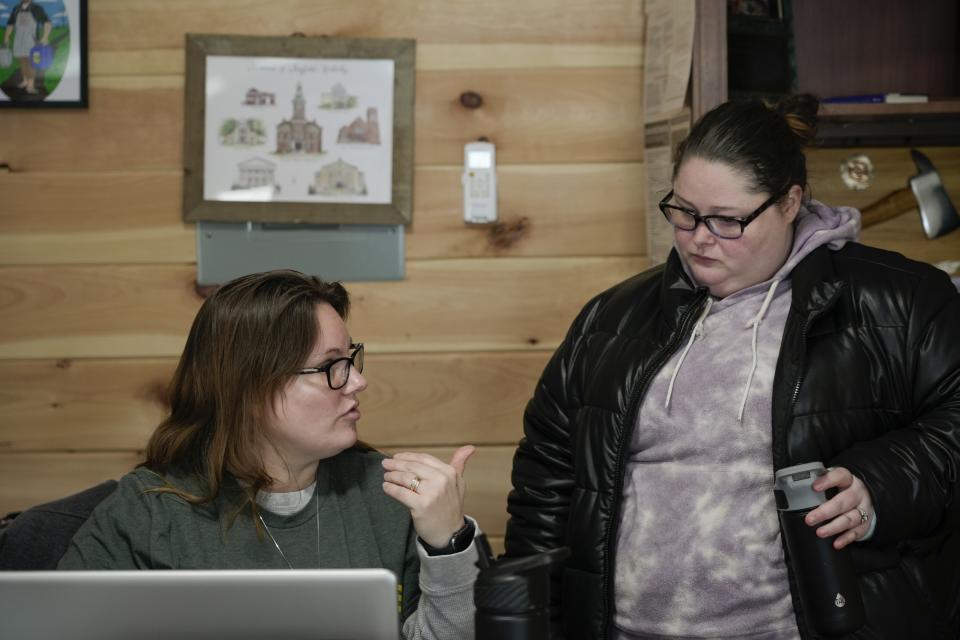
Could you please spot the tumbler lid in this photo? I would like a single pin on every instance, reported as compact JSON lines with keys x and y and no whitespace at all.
{"x":517,"y":585}
{"x":793,"y":487}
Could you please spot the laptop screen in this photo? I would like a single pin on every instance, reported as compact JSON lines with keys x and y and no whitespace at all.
{"x":320,"y":604}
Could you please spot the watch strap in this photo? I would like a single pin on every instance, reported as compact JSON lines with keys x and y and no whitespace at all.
{"x":459,"y":541}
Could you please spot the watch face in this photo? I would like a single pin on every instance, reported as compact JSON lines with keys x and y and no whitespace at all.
{"x":463,"y":537}
{"x":459,"y":541}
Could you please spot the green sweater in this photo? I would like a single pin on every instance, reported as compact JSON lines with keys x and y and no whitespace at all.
{"x":360,"y":527}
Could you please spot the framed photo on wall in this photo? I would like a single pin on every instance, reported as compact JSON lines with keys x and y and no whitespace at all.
{"x":43,"y":53}
{"x":298,"y":129}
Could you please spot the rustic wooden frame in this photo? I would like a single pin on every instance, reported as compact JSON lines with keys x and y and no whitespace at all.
{"x":398,"y":211}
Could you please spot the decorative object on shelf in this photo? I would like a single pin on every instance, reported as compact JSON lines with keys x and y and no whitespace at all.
{"x":765,"y":8}
{"x":43,"y":54}
{"x":856,"y":171}
{"x":298,"y":129}
{"x":925,"y":190}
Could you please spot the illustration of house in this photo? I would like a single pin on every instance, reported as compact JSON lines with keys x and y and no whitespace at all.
{"x":255,"y":97}
{"x":255,"y":172}
{"x":337,"y":98}
{"x":337,"y":179}
{"x":362,"y":131}
{"x":249,"y":132}
{"x":298,"y":135}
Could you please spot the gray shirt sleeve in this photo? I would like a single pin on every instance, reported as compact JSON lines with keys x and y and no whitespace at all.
{"x":446,"y":609}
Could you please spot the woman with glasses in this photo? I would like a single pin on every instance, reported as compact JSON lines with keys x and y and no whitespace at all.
{"x":258,"y":465}
{"x":770,"y":338}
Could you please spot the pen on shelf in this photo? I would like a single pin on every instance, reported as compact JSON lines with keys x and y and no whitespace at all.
{"x":862,"y":98}
{"x":876,"y":98}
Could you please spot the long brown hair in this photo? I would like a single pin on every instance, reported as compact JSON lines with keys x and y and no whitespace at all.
{"x":246,"y":342}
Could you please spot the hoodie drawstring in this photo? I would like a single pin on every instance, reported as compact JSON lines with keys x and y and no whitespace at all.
{"x":755,"y":323}
{"x":697,"y":331}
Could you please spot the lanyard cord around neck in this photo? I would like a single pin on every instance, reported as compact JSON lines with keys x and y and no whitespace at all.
{"x":277,"y":544}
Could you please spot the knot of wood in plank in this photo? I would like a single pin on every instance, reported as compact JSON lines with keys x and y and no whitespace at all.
{"x":471,"y":99}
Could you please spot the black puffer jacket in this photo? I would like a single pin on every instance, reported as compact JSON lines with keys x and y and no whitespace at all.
{"x":868,"y":378}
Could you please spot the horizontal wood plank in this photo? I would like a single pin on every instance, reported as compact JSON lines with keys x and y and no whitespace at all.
{"x":893,"y":167}
{"x":561,"y":115}
{"x":546,"y":210}
{"x":442,"y":305}
{"x":534,"y":116}
{"x":119,"y":24}
{"x":412,"y":399}
{"x":430,"y":57}
{"x":905,"y":235}
{"x":28,"y":479}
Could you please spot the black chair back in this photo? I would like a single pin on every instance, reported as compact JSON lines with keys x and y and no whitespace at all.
{"x":37,"y":538}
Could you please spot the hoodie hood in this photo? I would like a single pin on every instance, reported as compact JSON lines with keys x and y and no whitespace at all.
{"x":818,"y":225}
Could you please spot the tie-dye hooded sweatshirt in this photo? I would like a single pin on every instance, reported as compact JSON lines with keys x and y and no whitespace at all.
{"x":698,"y":550}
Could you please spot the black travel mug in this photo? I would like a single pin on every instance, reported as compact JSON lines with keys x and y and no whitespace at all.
{"x":513,"y":597}
{"x":826,"y":578}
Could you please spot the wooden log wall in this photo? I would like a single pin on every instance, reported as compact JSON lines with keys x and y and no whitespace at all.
{"x":97,"y":269}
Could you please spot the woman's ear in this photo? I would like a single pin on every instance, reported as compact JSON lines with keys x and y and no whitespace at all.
{"x":791,"y":202}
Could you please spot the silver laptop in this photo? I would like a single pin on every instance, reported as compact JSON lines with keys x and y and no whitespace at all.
{"x":321,"y":604}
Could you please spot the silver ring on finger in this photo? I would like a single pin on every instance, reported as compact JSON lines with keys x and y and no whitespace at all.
{"x":864,"y":516}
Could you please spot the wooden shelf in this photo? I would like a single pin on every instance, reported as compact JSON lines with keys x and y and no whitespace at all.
{"x":896,"y":124}
{"x":872,"y":110}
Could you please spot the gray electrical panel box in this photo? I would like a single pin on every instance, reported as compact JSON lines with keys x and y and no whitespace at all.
{"x":228,"y":250}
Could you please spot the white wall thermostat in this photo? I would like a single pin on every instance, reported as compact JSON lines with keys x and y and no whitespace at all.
{"x":479,"y":182}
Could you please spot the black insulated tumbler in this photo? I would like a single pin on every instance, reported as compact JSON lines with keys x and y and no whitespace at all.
{"x":827,"y":580}
{"x":513,"y":597}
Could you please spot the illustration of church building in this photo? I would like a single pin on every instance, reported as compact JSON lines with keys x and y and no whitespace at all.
{"x":338,"y":179}
{"x":297,"y":135}
{"x":243,"y":133}
{"x":360,"y":130}
{"x":337,"y":98}
{"x":255,"y":97}
{"x":255,"y":172}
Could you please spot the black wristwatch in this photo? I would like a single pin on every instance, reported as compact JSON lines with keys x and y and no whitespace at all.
{"x":459,"y":541}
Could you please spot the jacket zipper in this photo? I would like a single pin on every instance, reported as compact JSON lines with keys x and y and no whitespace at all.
{"x":807,"y":322}
{"x":803,"y":355}
{"x":639,"y":391}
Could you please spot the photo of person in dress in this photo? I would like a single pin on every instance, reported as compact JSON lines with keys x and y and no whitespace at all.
{"x":27,"y":26}
{"x":40,"y":50}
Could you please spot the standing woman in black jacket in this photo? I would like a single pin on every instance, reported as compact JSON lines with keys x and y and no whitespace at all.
{"x":769,"y":338}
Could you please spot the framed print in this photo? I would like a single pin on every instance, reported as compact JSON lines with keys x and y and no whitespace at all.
{"x":298,"y":129}
{"x":43,"y":53}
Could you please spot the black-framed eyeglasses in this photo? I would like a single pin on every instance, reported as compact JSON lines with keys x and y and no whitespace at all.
{"x":338,"y":369}
{"x":721,"y":226}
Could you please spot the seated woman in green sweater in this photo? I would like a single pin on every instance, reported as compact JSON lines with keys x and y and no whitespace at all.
{"x":258,"y":464}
